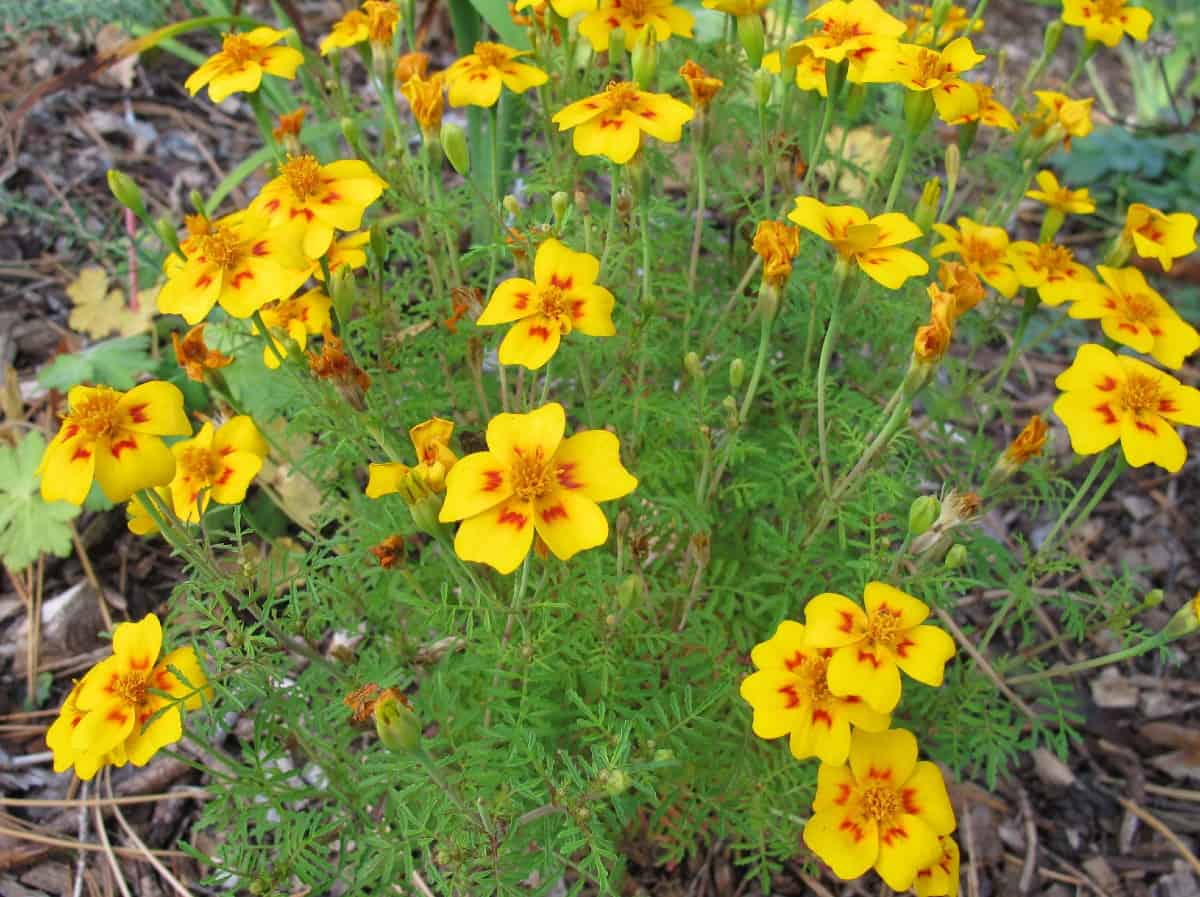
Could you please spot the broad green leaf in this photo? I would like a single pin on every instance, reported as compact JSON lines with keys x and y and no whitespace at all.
{"x":114,"y":362}
{"x":495,"y":13}
{"x":29,"y":525}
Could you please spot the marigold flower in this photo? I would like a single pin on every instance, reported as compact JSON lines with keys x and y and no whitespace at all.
{"x":296,"y":318}
{"x":919,"y":25}
{"x":611,"y":123}
{"x":530,"y":479}
{"x":702,"y":86}
{"x":989,"y":111}
{"x":410,"y":64}
{"x":334,"y":365}
{"x":776,"y":244}
{"x":1060,"y":198}
{"x":810,"y":68}
{"x":984,"y":250}
{"x":426,"y":98}
{"x":860,"y":31}
{"x":882,"y":810}
{"x":872,"y":647}
{"x":216,"y":465}
{"x":476,"y":80}
{"x":565,"y":8}
{"x":238,"y":264}
{"x":138,"y":519}
{"x":962,"y":284}
{"x":349,"y":30}
{"x":435,"y":459}
{"x":116,"y":714}
{"x":1134,"y":315}
{"x":361,"y":702}
{"x":115,"y":438}
{"x":1029,"y":442}
{"x":346,"y":252}
{"x":662,"y":17}
{"x":1051,"y":270}
{"x":873,"y":244}
{"x":241,"y":62}
{"x":287,"y":130}
{"x":940,"y":878}
{"x":939,"y":73}
{"x":1155,"y":235}
{"x":563,"y":296}
{"x":790,"y":696}
{"x":382,"y":18}
{"x":389,"y":552}
{"x":316,"y":199}
{"x":1107,"y":21}
{"x":1109,"y":397}
{"x":1058,"y":113}
{"x":933,"y":339}
{"x":194,"y":356}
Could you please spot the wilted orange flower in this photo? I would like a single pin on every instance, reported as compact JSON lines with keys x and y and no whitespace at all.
{"x":194,"y":356}
{"x":933,"y":339}
{"x":382,"y":19}
{"x":989,"y":111}
{"x":287,"y":131}
{"x":701,"y":84}
{"x":960,"y":282}
{"x":1058,"y":115}
{"x":389,"y":552}
{"x":776,"y":244}
{"x":415,"y":63}
{"x":361,"y":701}
{"x":334,"y":365}
{"x":427,"y":100}
{"x":1029,"y":442}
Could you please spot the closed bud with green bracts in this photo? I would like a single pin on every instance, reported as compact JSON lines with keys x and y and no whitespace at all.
{"x":197,"y":201}
{"x":396,"y":723}
{"x":560,"y":203}
{"x":768,"y":301}
{"x":343,"y":290}
{"x":953,"y":167}
{"x":1186,"y":619}
{"x":956,"y":556}
{"x":918,"y":110}
{"x":750,"y":36}
{"x":730,"y":406}
{"x":922,"y":513}
{"x":737,"y":373}
{"x":927,"y":206}
{"x":512,"y":205}
{"x":613,"y":782}
{"x":691,"y":364}
{"x":763,"y":82}
{"x":1052,"y":38}
{"x":166,"y":232}
{"x":454,"y":145}
{"x":126,"y":192}
{"x":378,"y":243}
{"x":645,"y":60}
{"x":632,"y":588}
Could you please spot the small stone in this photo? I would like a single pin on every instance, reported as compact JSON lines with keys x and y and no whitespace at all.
{"x":1051,"y":770}
{"x":1113,"y":691}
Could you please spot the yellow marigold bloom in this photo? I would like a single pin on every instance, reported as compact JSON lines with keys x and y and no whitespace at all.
{"x":294,"y":318}
{"x":872,"y":647}
{"x":923,"y":70}
{"x":859,"y":30}
{"x":426,"y":98}
{"x":984,"y":250}
{"x":238,"y":264}
{"x":611,"y":123}
{"x":882,"y":810}
{"x":415,"y":63}
{"x":435,"y":459}
{"x":117,"y":714}
{"x":662,"y":17}
{"x":873,"y":244}
{"x":349,"y":30}
{"x":933,"y":339}
{"x":114,"y":438}
{"x":1134,"y":315}
{"x":776,"y":244}
{"x":382,"y":18}
{"x":790,"y":696}
{"x":1107,"y":21}
{"x":1029,"y":442}
{"x":1058,"y":113}
{"x":1158,"y":236}
{"x":317,"y":199}
{"x":990,"y":111}
{"x":563,"y":296}
{"x":940,"y":878}
{"x":810,"y":68}
{"x":962,"y":285}
{"x":1063,"y":199}
{"x":738,"y":7}
{"x":139,"y":520}
{"x":565,"y":8}
{"x":530,"y":479}
{"x":346,"y":252}
{"x":194,"y":356}
{"x":1051,"y":270}
{"x":1109,"y":397}
{"x":919,"y":25}
{"x":702,"y":86}
{"x":241,"y":63}
{"x":476,"y":80}
{"x":216,"y":465}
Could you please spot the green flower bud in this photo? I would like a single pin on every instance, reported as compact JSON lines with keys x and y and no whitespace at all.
{"x":763,"y":82}
{"x":197,"y":201}
{"x":1052,"y":37}
{"x":645,"y":60}
{"x":560,"y":203}
{"x":730,"y":406}
{"x":922,"y":513}
{"x":166,"y":232}
{"x":631,"y":589}
{"x":737,"y":373}
{"x":454,"y":145}
{"x":918,"y":110}
{"x":768,"y":301}
{"x":750,"y":35}
{"x":664,"y":755}
{"x":511,"y":205}
{"x":1186,"y":620}
{"x":953,"y":167}
{"x":927,"y":207}
{"x":378,"y":243}
{"x":396,"y":723}
{"x":691,"y":364}
{"x":614,"y":781}
{"x":856,"y":98}
{"x":956,"y":556}
{"x":343,"y":290}
{"x":126,"y":192}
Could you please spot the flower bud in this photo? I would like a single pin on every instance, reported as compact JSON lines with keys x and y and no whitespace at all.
{"x":645,"y":60}
{"x":750,"y":35}
{"x":856,"y":98}
{"x":956,"y":556}
{"x":343,"y":291}
{"x":922,"y":513}
{"x":730,"y":406}
{"x":1052,"y":37}
{"x":763,"y":82}
{"x":127,"y":192}
{"x":632,"y":588}
{"x":396,"y":723}
{"x":927,"y":207}
{"x":1185,"y":621}
{"x":918,"y":110}
{"x":353,"y":134}
{"x":648,"y":304}
{"x":378,"y":243}
{"x":737,"y":373}
{"x":560,"y":203}
{"x":454,"y":145}
{"x":768,"y":301}
{"x":166,"y":232}
{"x":197,"y":201}
{"x":953,"y":167}
{"x":512,"y":205}
{"x":614,"y":781}
{"x":691,"y":364}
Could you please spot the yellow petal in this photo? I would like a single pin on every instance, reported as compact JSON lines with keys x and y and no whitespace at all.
{"x":922,"y":653}
{"x":591,"y":310}
{"x":132,"y":461}
{"x":386,"y":479}
{"x":617,"y":137}
{"x":103,"y":728}
{"x":891,"y":267}
{"x":906,"y":845}
{"x":192,"y":687}
{"x":924,"y":794}
{"x":870,"y":672}
{"x":138,"y":644}
{"x":530,"y":342}
{"x":476,"y":483}
{"x":846,"y":840}
{"x":240,"y":434}
{"x":242,"y":80}
{"x":879,"y":597}
{"x":779,"y":707}
{"x":832,"y":620}
{"x":238,"y":470}
{"x":557,"y":265}
{"x":539,"y":431}
{"x":589,"y":463}
{"x":569,"y":523}
{"x":885,"y":757}
{"x":68,"y":469}
{"x":512,"y":300}
{"x":500,"y":537}
{"x":894,"y":228}
{"x":155,"y":407}
{"x":786,"y":646}
{"x":827,"y":222}
{"x":150,"y":733}
{"x":1148,"y":439}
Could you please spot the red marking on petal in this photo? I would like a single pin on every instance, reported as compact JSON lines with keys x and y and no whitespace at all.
{"x":139,"y":663}
{"x":1125,"y":325}
{"x":855,"y":830}
{"x":1167,"y":406}
{"x":69,"y":431}
{"x":492,"y":480}
{"x":563,"y":283}
{"x":512,"y":518}
{"x":796,"y":660}
{"x":847,"y":624}
{"x":1109,"y":416}
{"x":261,"y":248}
{"x":566,"y":477}
{"x":307,"y":213}
{"x":228,"y":450}
{"x":1146,"y":427}
{"x":577,"y":309}
{"x":843,"y":795}
{"x":542,"y":333}
{"x":330,"y":198}
{"x":236,"y":280}
{"x":122,"y":445}
{"x":868,"y":657}
{"x":117,"y":716}
{"x":892,"y":834}
{"x":522,"y":301}
{"x":908,"y":798}
{"x":81,"y":454}
{"x":224,"y":477}
{"x":163,"y":679}
{"x":272,"y":206}
{"x":558,"y":512}
{"x":202,"y":281}
{"x":823,"y":717}
{"x":138,"y":414}
{"x":882,"y":775}
{"x":902,"y":647}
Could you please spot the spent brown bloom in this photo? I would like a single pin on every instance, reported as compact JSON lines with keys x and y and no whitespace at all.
{"x":195,"y":357}
{"x":777,"y":244}
{"x":702,"y":85}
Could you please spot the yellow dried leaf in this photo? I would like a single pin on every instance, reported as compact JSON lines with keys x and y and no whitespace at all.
{"x":863,"y":155}
{"x":100,"y":312}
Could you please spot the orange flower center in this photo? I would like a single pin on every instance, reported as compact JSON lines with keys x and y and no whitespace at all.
{"x":222,"y":248}
{"x":637,"y":9}
{"x":200,"y":464}
{"x":1110,"y":10}
{"x":303,"y":176}
{"x":238,"y":49}
{"x":532,"y":477}
{"x":1140,"y":393}
{"x":97,"y":415}
{"x":552,"y":302}
{"x":883,"y":627}
{"x":976,"y":251}
{"x":621,"y":95}
{"x":818,"y":681}
{"x":197,"y":225}
{"x":131,"y":688}
{"x":929,"y":67}
{"x":1139,"y":307}
{"x":880,"y":803}
{"x":1151,"y":231}
{"x":839,"y":31}
{"x":491,"y":55}
{"x":1051,"y":257}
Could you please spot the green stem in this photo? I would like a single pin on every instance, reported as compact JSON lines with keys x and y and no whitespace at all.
{"x":266,"y":334}
{"x":845,"y":280}
{"x":265,"y":125}
{"x":1144,"y":647}
{"x":1027,"y":311}
{"x":610,"y":228}
{"x":698,"y":226}
{"x":906,"y":154}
